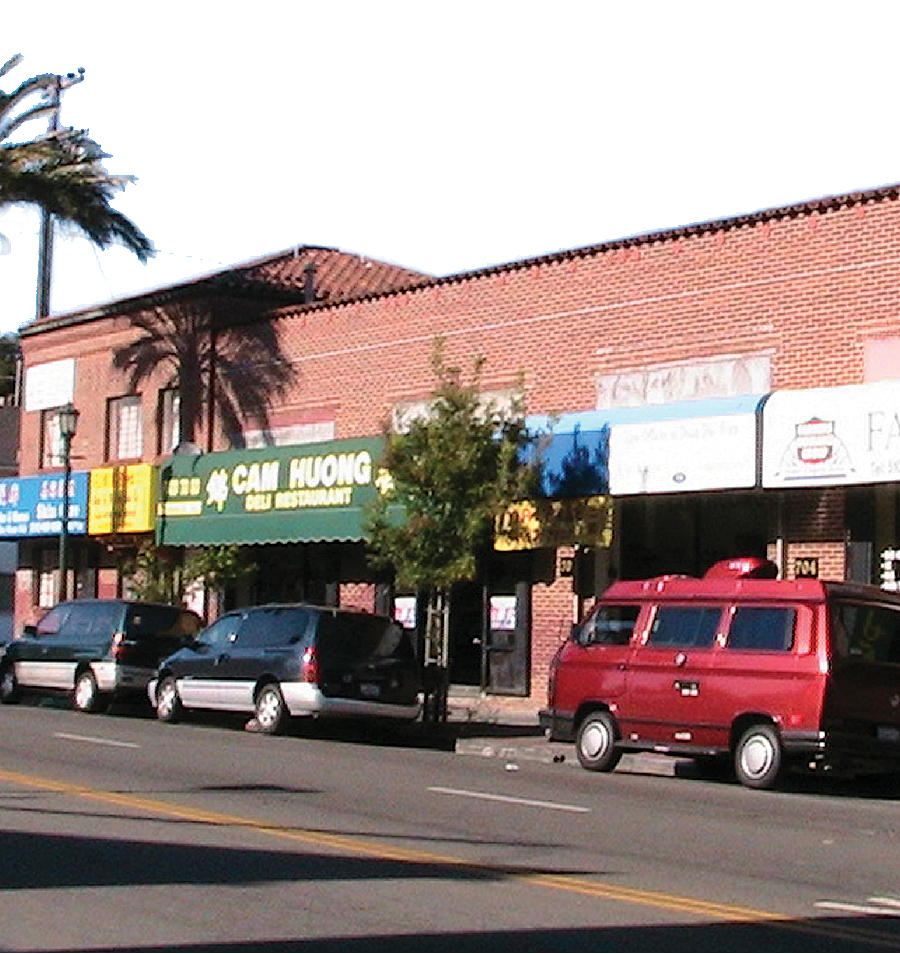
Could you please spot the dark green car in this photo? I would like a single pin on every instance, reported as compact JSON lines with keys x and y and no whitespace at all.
{"x":94,"y":650}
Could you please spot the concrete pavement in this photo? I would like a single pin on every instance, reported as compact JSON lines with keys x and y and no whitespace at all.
{"x":499,"y":728}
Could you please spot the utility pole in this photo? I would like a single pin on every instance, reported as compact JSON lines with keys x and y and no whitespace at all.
{"x":53,"y":93}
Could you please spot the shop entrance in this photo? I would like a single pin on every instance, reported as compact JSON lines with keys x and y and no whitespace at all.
{"x":490,"y":624}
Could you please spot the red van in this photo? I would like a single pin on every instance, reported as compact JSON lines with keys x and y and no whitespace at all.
{"x":767,"y":672}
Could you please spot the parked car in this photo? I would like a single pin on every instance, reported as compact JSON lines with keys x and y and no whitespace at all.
{"x":767,"y":672}
{"x":283,"y":660}
{"x":94,"y":650}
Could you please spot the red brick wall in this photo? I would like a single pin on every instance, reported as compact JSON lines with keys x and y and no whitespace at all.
{"x":808,"y":288}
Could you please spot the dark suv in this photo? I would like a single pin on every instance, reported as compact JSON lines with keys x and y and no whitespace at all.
{"x":285,"y":660}
{"x":95,"y":650}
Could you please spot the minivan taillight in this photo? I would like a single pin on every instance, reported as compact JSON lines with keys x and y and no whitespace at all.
{"x":310,"y":672}
{"x":118,"y":646}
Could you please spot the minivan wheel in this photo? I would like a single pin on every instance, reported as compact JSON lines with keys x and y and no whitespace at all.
{"x":86,"y":696}
{"x":168,"y":702}
{"x":9,"y":686}
{"x":758,"y":757}
{"x":271,"y":712}
{"x":595,"y":743}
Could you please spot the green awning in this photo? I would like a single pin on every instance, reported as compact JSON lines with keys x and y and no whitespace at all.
{"x":284,"y":494}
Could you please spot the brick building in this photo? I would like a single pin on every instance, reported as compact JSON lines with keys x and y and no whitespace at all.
{"x":728,"y":377}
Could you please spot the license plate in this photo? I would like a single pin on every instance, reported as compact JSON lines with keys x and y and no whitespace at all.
{"x":888,"y":733}
{"x":369,"y":689}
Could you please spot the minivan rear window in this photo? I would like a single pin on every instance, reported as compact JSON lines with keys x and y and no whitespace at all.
{"x":865,"y":631}
{"x":146,"y":620}
{"x":685,"y":626}
{"x":762,"y":628}
{"x":349,"y":637}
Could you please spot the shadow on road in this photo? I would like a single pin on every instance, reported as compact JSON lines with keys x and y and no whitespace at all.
{"x":42,"y":861}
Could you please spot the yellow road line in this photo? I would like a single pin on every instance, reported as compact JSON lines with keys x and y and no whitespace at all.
{"x":361,"y":845}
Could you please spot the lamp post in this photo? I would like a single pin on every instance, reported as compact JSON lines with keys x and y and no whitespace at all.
{"x":68,"y":424}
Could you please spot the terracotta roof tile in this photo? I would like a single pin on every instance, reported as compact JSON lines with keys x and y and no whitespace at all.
{"x":285,"y":278}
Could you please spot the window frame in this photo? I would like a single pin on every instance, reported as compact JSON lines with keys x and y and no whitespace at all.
{"x":715,"y":612}
{"x":749,"y":608}
{"x":129,"y":438}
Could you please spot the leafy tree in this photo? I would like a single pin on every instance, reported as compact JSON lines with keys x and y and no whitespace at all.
{"x":454,"y":472}
{"x":9,"y":358}
{"x":159,"y":574}
{"x":61,"y":171}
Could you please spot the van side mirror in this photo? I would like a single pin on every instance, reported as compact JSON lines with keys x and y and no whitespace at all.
{"x":29,"y":629}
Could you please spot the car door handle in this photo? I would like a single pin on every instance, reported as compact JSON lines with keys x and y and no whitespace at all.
{"x":223,"y":658}
{"x":686,"y":687}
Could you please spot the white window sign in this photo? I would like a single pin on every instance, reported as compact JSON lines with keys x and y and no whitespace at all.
{"x":700,"y":453}
{"x":503,"y":613}
{"x":832,"y":436}
{"x":49,"y":385}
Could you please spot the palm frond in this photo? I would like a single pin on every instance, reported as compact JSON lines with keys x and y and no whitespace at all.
{"x":62,"y":171}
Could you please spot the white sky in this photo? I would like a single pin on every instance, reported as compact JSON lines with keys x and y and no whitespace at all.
{"x":448,"y":136}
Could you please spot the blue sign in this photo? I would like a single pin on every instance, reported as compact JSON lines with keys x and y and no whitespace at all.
{"x":32,"y":506}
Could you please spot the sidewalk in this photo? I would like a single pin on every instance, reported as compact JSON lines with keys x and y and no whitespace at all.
{"x":504,"y":728}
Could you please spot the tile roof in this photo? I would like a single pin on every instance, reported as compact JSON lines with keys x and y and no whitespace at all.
{"x":299,"y":276}
{"x":345,"y":276}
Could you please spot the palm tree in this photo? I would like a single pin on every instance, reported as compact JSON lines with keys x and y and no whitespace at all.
{"x":61,"y":171}
{"x":221,"y":353}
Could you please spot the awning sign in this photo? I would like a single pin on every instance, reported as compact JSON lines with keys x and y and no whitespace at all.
{"x":832,"y":436}
{"x":275,"y":494}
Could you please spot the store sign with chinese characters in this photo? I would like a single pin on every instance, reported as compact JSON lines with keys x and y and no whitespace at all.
{"x":32,"y":506}
{"x":123,"y":499}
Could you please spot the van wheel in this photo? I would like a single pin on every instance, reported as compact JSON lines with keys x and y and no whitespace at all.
{"x":595,"y":743}
{"x":758,"y":758}
{"x":168,"y":702}
{"x":86,"y":696}
{"x":9,"y":686}
{"x":271,"y":712}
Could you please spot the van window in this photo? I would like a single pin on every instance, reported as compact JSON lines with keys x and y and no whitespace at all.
{"x":274,"y":626}
{"x":222,"y":633}
{"x":764,"y":628}
{"x":89,"y":621}
{"x":51,"y":623}
{"x":346,"y":639}
{"x":609,"y":625}
{"x":148,"y":620}
{"x":866,"y":632}
{"x":685,"y":626}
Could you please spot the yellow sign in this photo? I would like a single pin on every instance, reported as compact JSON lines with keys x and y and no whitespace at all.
{"x":122,"y":499}
{"x":556,"y":523}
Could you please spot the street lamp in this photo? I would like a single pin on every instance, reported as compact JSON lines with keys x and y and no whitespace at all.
{"x":67,"y":419}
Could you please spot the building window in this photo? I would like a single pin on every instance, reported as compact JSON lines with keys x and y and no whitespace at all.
{"x":51,"y":442}
{"x":124,"y":428}
{"x":169,"y":423}
{"x":47,"y":573}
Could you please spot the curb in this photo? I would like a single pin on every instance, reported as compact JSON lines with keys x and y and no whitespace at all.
{"x":562,"y":753}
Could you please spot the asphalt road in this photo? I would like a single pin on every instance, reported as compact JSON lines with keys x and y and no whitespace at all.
{"x":120,"y":833}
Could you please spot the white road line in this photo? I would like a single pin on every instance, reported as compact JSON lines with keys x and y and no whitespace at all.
{"x":96,"y":741}
{"x":486,"y":796}
{"x":880,"y":908}
{"x":886,"y":902}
